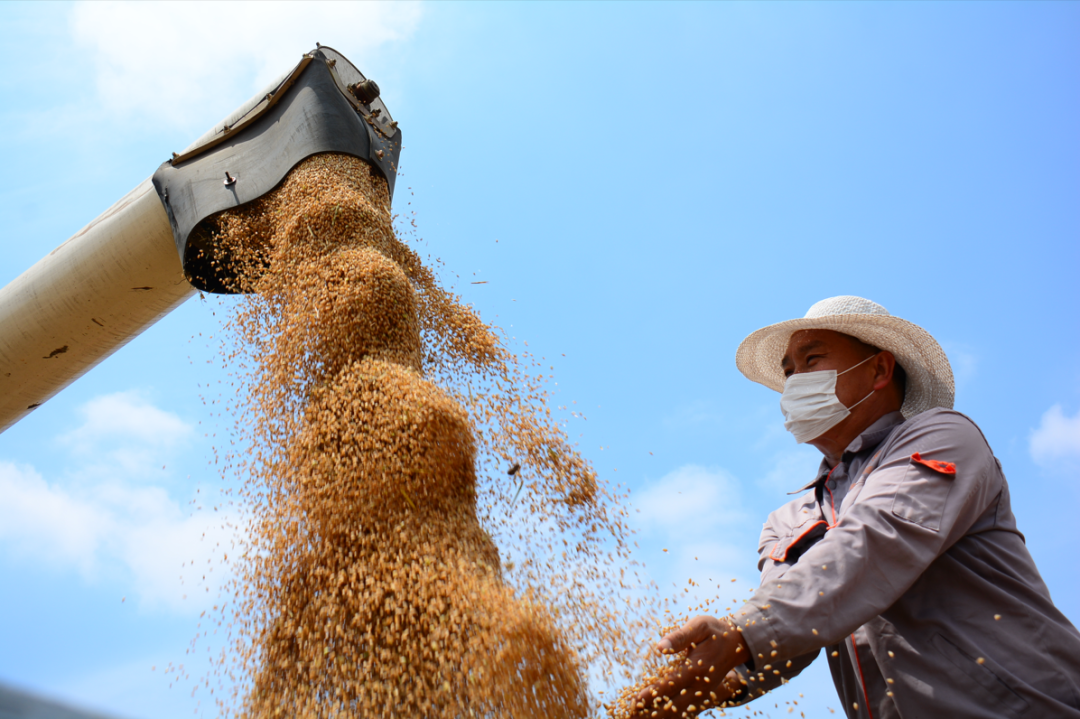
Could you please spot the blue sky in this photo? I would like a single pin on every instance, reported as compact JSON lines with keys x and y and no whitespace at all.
{"x":641,"y":186}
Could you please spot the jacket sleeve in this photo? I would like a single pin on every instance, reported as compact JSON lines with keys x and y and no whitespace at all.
{"x":759,"y":683}
{"x":757,"y":680}
{"x":909,"y":512}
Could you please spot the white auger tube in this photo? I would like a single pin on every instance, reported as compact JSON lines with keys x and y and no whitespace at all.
{"x":138,"y":261}
{"x":85,"y":300}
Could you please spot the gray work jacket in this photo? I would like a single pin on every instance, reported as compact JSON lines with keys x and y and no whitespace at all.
{"x":904,"y":562}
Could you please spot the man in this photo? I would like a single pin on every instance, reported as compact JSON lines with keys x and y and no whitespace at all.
{"x":902,"y":560}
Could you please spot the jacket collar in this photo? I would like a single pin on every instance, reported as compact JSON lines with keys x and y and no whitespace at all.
{"x":867,"y":441}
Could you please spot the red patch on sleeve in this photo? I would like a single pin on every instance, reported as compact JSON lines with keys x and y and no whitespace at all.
{"x":943,"y":467}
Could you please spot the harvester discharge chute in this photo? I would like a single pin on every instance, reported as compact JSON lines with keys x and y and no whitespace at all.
{"x":119,"y":274}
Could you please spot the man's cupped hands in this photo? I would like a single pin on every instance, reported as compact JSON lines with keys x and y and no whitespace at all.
{"x":701,"y":677}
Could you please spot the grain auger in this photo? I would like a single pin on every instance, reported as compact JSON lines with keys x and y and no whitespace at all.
{"x":119,"y":275}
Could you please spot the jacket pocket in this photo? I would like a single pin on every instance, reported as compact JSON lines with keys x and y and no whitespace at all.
{"x":921,"y":497}
{"x":983,"y":677}
{"x":791,"y":547}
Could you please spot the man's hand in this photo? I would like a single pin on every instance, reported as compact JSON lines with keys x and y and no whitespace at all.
{"x":701,"y":681}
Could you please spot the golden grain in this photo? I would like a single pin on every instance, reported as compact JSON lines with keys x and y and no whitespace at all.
{"x":377,"y":414}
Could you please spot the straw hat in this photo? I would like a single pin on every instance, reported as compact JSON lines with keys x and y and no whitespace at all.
{"x":929,"y":376}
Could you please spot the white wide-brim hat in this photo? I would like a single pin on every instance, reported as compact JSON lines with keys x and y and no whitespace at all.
{"x":929,"y":376}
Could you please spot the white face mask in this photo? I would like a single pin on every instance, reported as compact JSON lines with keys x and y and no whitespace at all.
{"x":810,"y":405}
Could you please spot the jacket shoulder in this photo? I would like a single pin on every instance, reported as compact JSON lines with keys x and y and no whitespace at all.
{"x":940,"y":425}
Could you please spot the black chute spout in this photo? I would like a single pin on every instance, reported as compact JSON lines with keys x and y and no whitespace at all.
{"x":323,"y":105}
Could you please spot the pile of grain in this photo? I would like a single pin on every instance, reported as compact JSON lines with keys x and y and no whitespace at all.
{"x":379,"y":418}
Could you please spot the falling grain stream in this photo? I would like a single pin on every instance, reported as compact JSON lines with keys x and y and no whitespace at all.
{"x":379,"y":416}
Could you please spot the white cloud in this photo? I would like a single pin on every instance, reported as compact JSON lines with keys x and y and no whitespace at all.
{"x":1056,"y":438}
{"x":107,"y":522}
{"x":691,"y":497}
{"x":124,"y":430}
{"x":46,"y":522}
{"x":790,"y":469}
{"x":140,"y":531}
{"x":175,"y":62}
{"x":176,"y":561}
{"x":694,"y":526}
{"x":129,"y":416}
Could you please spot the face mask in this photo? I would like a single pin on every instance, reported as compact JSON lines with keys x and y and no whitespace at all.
{"x":810,"y":405}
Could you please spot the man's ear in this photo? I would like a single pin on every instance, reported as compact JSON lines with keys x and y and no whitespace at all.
{"x":884,"y":365}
